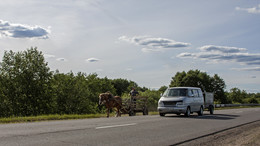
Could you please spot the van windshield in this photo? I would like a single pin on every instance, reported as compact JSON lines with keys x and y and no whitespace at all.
{"x":175,"y":92}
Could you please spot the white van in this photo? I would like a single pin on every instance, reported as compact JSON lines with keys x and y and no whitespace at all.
{"x":178,"y":100}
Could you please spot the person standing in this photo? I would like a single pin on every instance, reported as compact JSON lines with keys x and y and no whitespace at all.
{"x":133,"y":93}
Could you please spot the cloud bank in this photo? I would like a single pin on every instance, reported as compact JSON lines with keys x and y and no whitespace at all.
{"x":247,"y":69}
{"x":13,"y":30}
{"x":253,"y":10}
{"x":153,"y":44}
{"x":224,"y":54}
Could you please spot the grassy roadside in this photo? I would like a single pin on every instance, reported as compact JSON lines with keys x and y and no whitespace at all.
{"x":48,"y":118}
{"x":88,"y":116}
{"x":237,"y":107}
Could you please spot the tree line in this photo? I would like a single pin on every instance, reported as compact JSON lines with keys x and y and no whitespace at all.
{"x":28,"y":87}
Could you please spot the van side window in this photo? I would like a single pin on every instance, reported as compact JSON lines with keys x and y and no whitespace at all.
{"x":190,"y":94}
{"x":200,"y":93}
{"x":195,"y":92}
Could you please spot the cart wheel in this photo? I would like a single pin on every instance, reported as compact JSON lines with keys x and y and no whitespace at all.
{"x":145,"y":111}
{"x":131,"y":113}
{"x":211,"y":110}
{"x":162,"y":114}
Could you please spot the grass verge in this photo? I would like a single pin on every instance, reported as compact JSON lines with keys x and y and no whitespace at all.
{"x":236,"y":107}
{"x":48,"y":118}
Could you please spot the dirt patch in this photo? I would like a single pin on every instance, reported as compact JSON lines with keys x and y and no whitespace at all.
{"x":246,"y":135}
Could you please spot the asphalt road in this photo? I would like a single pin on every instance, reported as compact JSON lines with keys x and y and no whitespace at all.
{"x":138,"y":130}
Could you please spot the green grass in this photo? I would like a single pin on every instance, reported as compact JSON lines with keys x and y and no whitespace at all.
{"x":236,"y":107}
{"x":48,"y":118}
{"x":86,"y":116}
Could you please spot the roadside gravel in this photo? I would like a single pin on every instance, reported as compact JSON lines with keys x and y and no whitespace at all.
{"x":246,"y":135}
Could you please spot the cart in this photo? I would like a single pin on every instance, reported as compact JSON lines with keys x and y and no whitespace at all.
{"x":209,"y":102}
{"x":135,"y":104}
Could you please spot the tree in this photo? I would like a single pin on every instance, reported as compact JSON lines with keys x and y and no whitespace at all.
{"x":153,"y":97}
{"x":121,"y":86}
{"x":25,"y":80}
{"x":162,"y":89}
{"x":72,"y":94}
{"x":218,"y":85}
{"x":196,"y":78}
{"x":236,"y":95}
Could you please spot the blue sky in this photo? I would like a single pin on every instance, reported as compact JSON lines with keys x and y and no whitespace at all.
{"x":146,"y":41}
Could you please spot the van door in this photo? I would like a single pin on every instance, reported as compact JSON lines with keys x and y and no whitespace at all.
{"x":201,"y":98}
{"x":196,"y":100}
{"x":190,"y":100}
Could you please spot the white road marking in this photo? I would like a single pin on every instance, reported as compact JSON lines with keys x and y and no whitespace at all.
{"x":113,"y":126}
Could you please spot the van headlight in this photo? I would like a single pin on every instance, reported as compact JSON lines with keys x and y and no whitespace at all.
{"x":160,"y":103}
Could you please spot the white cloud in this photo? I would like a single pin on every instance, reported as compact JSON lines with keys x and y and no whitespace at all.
{"x":247,"y":69}
{"x":219,"y":54}
{"x":254,"y":10}
{"x":92,"y":60}
{"x":49,"y":56}
{"x":153,"y":44}
{"x":223,"y":49}
{"x":22,"y":31}
{"x":61,"y":59}
{"x":147,"y":50}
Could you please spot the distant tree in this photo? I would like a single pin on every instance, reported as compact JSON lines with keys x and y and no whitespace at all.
{"x":153,"y":97}
{"x":217,"y":86}
{"x":237,"y":96}
{"x":72,"y":94}
{"x":162,"y":89}
{"x":196,"y":78}
{"x":253,"y":100}
{"x":121,"y":86}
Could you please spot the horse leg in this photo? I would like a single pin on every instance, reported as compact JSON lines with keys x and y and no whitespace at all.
{"x":116,"y":114}
{"x":118,"y":111}
{"x":108,"y":110}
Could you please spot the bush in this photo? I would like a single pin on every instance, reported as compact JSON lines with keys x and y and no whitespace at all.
{"x":253,"y":100}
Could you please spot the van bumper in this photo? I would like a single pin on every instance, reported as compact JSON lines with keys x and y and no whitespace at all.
{"x":174,"y":110}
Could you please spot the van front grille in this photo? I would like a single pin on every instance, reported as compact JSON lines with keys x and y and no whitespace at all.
{"x":169,"y":103}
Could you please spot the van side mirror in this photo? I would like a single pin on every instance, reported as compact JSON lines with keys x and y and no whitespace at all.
{"x":161,"y":94}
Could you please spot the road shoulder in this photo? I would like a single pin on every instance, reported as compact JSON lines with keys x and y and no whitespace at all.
{"x":248,"y":134}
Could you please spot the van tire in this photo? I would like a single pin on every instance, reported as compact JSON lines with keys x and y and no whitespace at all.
{"x":162,"y":114}
{"x":200,"y":113}
{"x":187,"y":114}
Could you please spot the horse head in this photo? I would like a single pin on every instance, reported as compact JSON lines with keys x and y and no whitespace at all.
{"x":102,"y":98}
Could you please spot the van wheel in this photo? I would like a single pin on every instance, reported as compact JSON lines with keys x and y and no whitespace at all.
{"x":200,"y":113}
{"x":211,"y":110}
{"x":187,"y":114}
{"x":162,"y":114}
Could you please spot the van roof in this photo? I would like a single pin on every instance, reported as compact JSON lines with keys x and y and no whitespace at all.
{"x":184,"y":87}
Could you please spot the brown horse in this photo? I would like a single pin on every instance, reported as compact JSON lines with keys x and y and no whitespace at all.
{"x":110,"y":102}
